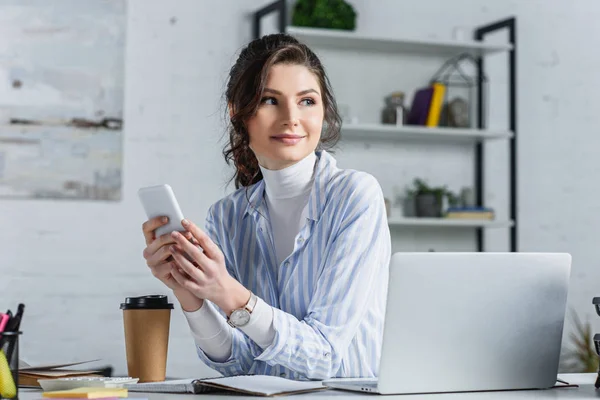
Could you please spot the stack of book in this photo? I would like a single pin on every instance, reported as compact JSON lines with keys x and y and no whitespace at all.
{"x":481,"y":213}
{"x":427,"y":104}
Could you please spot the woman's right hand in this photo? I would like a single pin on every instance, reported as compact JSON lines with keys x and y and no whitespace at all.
{"x":157,"y":254}
{"x":160,"y":261}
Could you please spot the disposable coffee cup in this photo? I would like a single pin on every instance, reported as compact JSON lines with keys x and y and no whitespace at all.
{"x":146,"y":321}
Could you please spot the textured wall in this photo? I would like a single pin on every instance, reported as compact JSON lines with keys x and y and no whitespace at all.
{"x":73,"y":263}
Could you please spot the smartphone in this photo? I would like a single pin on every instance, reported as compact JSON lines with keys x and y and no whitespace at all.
{"x":160,"y":201}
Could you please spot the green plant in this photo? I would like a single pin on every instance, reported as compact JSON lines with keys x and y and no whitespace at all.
{"x":334,"y":14}
{"x":421,"y":187}
{"x":582,"y":356}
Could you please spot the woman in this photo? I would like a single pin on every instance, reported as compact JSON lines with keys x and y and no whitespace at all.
{"x":290,"y":276}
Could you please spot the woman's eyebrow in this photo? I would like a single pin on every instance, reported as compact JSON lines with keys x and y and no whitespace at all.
{"x":297,"y":94}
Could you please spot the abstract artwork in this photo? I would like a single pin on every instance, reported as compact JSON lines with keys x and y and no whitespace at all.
{"x":61,"y":98}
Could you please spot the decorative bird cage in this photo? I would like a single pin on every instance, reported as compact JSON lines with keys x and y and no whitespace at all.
{"x":461,"y":91}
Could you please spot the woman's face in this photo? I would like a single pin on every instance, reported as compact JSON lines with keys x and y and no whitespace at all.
{"x":287,"y":125}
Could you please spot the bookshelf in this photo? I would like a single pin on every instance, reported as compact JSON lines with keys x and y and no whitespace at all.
{"x":420,"y":133}
{"x":450,"y":223}
{"x":351,"y":40}
{"x":476,"y":136}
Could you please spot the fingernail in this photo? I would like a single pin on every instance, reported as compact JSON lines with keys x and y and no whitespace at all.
{"x":185,"y":222}
{"x":174,"y":234}
{"x":172,"y":248}
{"x":165,"y":219}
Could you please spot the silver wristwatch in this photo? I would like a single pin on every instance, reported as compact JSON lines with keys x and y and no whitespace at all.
{"x":241,"y":316}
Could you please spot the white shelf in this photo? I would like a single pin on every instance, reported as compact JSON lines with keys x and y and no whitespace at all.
{"x":445,"y":222}
{"x":352,"y":40}
{"x":408,"y":132}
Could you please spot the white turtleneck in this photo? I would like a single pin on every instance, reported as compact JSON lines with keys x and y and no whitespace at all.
{"x":286,"y":192}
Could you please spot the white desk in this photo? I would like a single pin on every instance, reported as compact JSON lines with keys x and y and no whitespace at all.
{"x":585,"y":390}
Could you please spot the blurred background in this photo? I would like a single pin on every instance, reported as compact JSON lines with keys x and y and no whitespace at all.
{"x":478,"y":118}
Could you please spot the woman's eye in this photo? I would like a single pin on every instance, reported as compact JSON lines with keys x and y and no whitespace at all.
{"x":268,"y":100}
{"x":308,"y":102}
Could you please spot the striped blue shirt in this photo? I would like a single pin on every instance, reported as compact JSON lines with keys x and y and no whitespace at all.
{"x":328,"y":295}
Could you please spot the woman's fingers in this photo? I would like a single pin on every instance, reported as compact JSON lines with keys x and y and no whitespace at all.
{"x":192,"y":250}
{"x":194,"y":273}
{"x":204,"y":241}
{"x":161,"y":271}
{"x":150,"y":226}
{"x":159,"y":257}
{"x":164,"y":240}
{"x":184,"y":280}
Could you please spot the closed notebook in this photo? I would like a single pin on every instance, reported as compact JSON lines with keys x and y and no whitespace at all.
{"x":86,"y":393}
{"x":256,"y":385}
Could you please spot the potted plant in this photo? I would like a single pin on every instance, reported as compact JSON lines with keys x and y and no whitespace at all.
{"x":429,"y":200}
{"x":581,"y":356}
{"x":329,"y":14}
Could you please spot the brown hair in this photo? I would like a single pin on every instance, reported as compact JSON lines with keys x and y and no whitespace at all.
{"x":247,"y":80}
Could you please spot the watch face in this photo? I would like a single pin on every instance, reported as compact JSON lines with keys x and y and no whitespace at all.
{"x":240,"y":317}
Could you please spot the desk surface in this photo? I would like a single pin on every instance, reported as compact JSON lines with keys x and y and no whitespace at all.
{"x":585,"y":390}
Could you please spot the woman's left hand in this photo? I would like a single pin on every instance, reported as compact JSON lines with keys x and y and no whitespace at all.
{"x":203,"y":272}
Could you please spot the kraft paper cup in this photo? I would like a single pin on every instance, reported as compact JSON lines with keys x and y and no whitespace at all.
{"x":146,"y":321}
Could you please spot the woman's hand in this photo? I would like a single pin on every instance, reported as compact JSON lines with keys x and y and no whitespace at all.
{"x":161,"y":264}
{"x":204,"y":274}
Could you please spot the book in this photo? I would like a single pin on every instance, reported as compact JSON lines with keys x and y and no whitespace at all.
{"x":419,"y":109}
{"x":435,"y":108}
{"x":470,"y":213}
{"x":256,"y":385}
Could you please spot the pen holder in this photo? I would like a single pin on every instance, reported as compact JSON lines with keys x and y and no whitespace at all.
{"x":596,"y":303}
{"x":9,"y":365}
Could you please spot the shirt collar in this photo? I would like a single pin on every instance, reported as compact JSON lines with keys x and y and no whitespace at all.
{"x":324,"y":171}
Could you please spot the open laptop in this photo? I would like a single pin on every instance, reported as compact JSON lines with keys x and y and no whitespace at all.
{"x":460,"y":322}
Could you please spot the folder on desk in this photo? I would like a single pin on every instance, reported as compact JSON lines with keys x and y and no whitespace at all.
{"x":29,"y":374}
{"x":256,"y":385}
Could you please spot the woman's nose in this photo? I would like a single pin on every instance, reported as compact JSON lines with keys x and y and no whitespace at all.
{"x":290,"y":117}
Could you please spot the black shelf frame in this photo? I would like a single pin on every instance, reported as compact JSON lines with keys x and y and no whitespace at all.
{"x":280,"y":7}
{"x":480,"y":33}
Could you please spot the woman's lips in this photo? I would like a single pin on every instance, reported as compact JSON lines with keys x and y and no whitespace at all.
{"x":287,"y":139}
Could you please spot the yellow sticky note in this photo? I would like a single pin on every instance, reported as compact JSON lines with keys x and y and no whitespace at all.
{"x":87,"y":393}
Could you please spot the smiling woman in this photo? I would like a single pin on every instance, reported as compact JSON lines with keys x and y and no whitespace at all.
{"x":290,"y":276}
{"x":278,"y":94}
{"x":287,"y":125}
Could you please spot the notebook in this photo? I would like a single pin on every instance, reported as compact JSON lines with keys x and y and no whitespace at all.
{"x":257,"y":385}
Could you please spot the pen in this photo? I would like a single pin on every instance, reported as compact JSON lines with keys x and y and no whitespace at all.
{"x":4,"y":318}
{"x":3,"y":321}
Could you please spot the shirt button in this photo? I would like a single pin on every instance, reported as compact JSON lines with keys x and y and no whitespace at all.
{"x":282,"y":375}
{"x":260,"y":229}
{"x":327,"y":355}
{"x":300,"y":239}
{"x":287,"y":263}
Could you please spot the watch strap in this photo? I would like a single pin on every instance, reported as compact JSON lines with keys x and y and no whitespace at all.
{"x":251,"y":304}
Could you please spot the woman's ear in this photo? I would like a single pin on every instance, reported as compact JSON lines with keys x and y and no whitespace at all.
{"x":230,"y":107}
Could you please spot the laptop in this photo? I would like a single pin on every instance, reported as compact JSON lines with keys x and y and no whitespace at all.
{"x":462,"y":322}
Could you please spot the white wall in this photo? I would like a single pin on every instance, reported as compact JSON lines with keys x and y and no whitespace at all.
{"x":73,"y":263}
